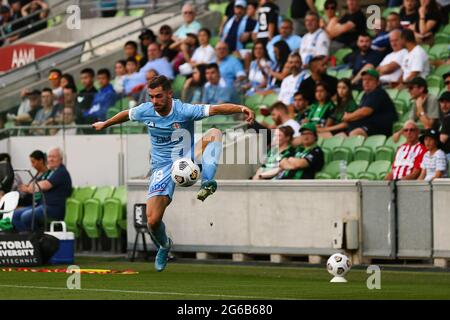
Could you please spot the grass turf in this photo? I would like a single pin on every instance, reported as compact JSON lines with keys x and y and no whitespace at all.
{"x":201,"y":281}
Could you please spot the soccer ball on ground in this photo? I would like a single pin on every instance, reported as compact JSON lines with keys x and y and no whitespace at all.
{"x":185,"y":172}
{"x":338,"y":265}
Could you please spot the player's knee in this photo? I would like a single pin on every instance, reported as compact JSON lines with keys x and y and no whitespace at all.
{"x":153,"y":219}
{"x":214,"y":134}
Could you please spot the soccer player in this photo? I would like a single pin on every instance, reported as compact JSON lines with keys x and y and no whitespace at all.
{"x":170,"y":125}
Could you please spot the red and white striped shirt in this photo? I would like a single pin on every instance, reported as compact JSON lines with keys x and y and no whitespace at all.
{"x":406,"y":159}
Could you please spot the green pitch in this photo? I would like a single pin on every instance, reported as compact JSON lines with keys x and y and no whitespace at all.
{"x":202,"y":281}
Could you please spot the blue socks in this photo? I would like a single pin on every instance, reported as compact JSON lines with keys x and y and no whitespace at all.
{"x":159,"y":236}
{"x":210,"y":160}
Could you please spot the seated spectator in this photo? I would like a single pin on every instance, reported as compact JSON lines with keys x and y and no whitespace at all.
{"x":315,"y":42}
{"x":446,"y":78}
{"x":205,"y":53}
{"x":103,"y":99}
{"x":39,"y":19}
{"x":434,"y":163}
{"x":285,"y":34}
{"x":70,"y":97}
{"x":363,"y":59}
{"x":308,"y":159}
{"x":252,"y":16}
{"x":25,"y":118}
{"x":38,"y":161}
{"x":47,"y":114}
{"x":408,"y":13}
{"x":54,"y":78}
{"x":380,"y":42}
{"x":6,"y":187}
{"x":300,"y":107}
{"x":280,"y":116}
{"x":236,"y":26}
{"x":187,"y":46}
{"x":299,"y":9}
{"x":67,"y":80}
{"x":86,"y":95}
{"x":130,"y":50}
{"x":156,"y":62}
{"x":190,"y":25}
{"x":258,"y":75}
{"x":231,"y":68}
{"x":408,"y":158}
{"x":120,"y":71}
{"x":318,"y":72}
{"x":330,"y":14}
{"x":393,"y":22}
{"x":68,"y":119}
{"x":428,"y":23}
{"x":321,"y":110}
{"x":344,"y":32}
{"x":165,"y":40}
{"x":17,"y":22}
{"x":56,"y":189}
{"x":280,"y":69}
{"x":345,"y":103}
{"x":143,"y":95}
{"x":292,"y":82}
{"x":444,"y":102}
{"x":425,"y":107}
{"x":416,"y":62}
{"x":267,"y":25}
{"x":280,"y":148}
{"x":132,"y":82}
{"x":193,"y":87}
{"x":216,"y":90}
{"x":146,"y":38}
{"x":390,"y":68}
{"x":376,"y":113}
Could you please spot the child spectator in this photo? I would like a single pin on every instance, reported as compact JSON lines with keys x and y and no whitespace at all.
{"x":120,"y":72}
{"x":434,"y":163}
{"x":193,"y":87}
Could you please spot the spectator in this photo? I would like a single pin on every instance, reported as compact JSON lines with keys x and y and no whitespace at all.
{"x":281,"y":148}
{"x":236,"y":26}
{"x":70,"y":97}
{"x":26,"y":117}
{"x":416,"y":62}
{"x":46,"y":116}
{"x":16,"y":18}
{"x":292,"y":82}
{"x":321,"y":110}
{"x":393,"y":22}
{"x":444,"y":102}
{"x":285,"y":34}
{"x":345,"y":103}
{"x":5,"y":187}
{"x":344,"y":32}
{"x":132,"y":82}
{"x":390,"y":67}
{"x":330,"y":14}
{"x":165,"y":40}
{"x":267,"y":26}
{"x":252,"y":9}
{"x":229,"y":12}
{"x":6,"y":25}
{"x":156,"y":62}
{"x":103,"y":99}
{"x":446,"y":78}
{"x":299,"y":9}
{"x":280,"y":116}
{"x":86,"y":95}
{"x":376,"y":113}
{"x":318,"y":71}
{"x":130,"y":50}
{"x":146,"y":38}
{"x":216,"y":90}
{"x":67,"y":80}
{"x":120,"y":70}
{"x":301,"y":107}
{"x":193,"y":87}
{"x":308,"y":158}
{"x":425,"y":107}
{"x":428,"y":23}
{"x":68,"y":119}
{"x":56,"y":189}
{"x":190,"y":24}
{"x":409,"y":155}
{"x":434,"y":163}
{"x":409,"y":13}
{"x":204,"y":54}
{"x":38,"y":161}
{"x":258,"y":75}
{"x":54,"y":78}
{"x":144,"y":96}
{"x":380,"y":42}
{"x":316,"y":41}
{"x":280,"y":68}
{"x":187,"y":47}
{"x":231,"y":68}
{"x":37,"y":12}
{"x":365,"y":58}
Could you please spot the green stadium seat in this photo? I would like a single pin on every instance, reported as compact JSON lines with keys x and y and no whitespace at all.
{"x":392,"y":92}
{"x":388,"y":10}
{"x":446,"y":30}
{"x":355,"y":168}
{"x":376,"y":171}
{"x":435,"y":81}
{"x":270,"y":99}
{"x":438,"y":51}
{"x":401,"y":107}
{"x":331,"y":171}
{"x":114,"y":216}
{"x":177,"y":85}
{"x":111,"y":112}
{"x":387,"y":152}
{"x":425,"y":47}
{"x":329,"y":144}
{"x":341,"y":54}
{"x":404,"y":96}
{"x":93,"y":211}
{"x":214,"y":40}
{"x":332,"y":72}
{"x":56,"y":20}
{"x":368,"y":149}
{"x":345,"y":151}
{"x":74,"y":208}
{"x":441,"y":70}
{"x":345,"y":73}
{"x":320,"y":141}
{"x":441,"y":38}
{"x":254,"y":101}
{"x":434,"y":91}
{"x":218,"y":7}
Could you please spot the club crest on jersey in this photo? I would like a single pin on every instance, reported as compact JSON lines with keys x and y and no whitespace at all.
{"x":151,"y":124}
{"x":176,"y":125}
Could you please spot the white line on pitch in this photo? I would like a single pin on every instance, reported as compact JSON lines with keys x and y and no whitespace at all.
{"x":146,"y":292}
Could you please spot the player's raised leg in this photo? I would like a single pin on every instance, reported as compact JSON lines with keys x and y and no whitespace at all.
{"x":208,"y":149}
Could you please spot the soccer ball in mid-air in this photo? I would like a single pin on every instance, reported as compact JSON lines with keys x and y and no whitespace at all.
{"x":185,"y":172}
{"x":338,"y":265}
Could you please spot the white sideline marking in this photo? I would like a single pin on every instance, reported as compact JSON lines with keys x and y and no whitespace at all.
{"x":146,"y":292}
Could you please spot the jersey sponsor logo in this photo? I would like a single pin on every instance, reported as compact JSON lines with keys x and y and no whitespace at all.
{"x":160,"y":139}
{"x":158,"y":187}
{"x":176,"y":125}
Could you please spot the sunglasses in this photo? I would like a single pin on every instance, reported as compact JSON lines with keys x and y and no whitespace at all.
{"x":447,"y":82}
{"x":409,"y":130}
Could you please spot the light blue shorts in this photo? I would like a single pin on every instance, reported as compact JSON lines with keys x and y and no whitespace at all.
{"x":161,"y":183}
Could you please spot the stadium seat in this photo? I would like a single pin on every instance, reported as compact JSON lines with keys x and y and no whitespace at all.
{"x":404,"y":96}
{"x":438,"y":51}
{"x":177,"y":85}
{"x":332,"y":72}
{"x":331,"y":171}
{"x":93,"y":211}
{"x":114,"y":217}
{"x":320,"y":141}
{"x":218,"y":7}
{"x":367,"y":150}
{"x":434,"y":91}
{"x":254,"y":101}
{"x":388,"y":10}
{"x":441,"y":38}
{"x":441,"y":70}
{"x":74,"y":208}
{"x":111,"y":112}
{"x":401,"y":107}
{"x":270,"y":99}
{"x":329,"y":144}
{"x":392,"y":92}
{"x":435,"y":81}
{"x":341,"y":54}
{"x":376,"y":171}
{"x":387,"y":152}
{"x":213,"y":41}
{"x":355,"y":168}
{"x":345,"y":73}
{"x":345,"y":151}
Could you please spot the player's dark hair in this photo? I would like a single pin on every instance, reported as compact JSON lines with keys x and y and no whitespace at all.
{"x":300,"y":93}
{"x":160,"y":81}
{"x":38,"y":155}
{"x":105,"y":72}
{"x":279,"y":106}
{"x":213,"y":66}
{"x":325,"y":86}
{"x":88,"y":71}
{"x":408,"y":35}
{"x":131,"y":43}
{"x":122,"y":62}
{"x":47,"y":90}
{"x":207,"y":31}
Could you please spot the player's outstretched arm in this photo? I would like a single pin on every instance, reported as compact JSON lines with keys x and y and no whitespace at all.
{"x":118,"y":118}
{"x":230,"y":108}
